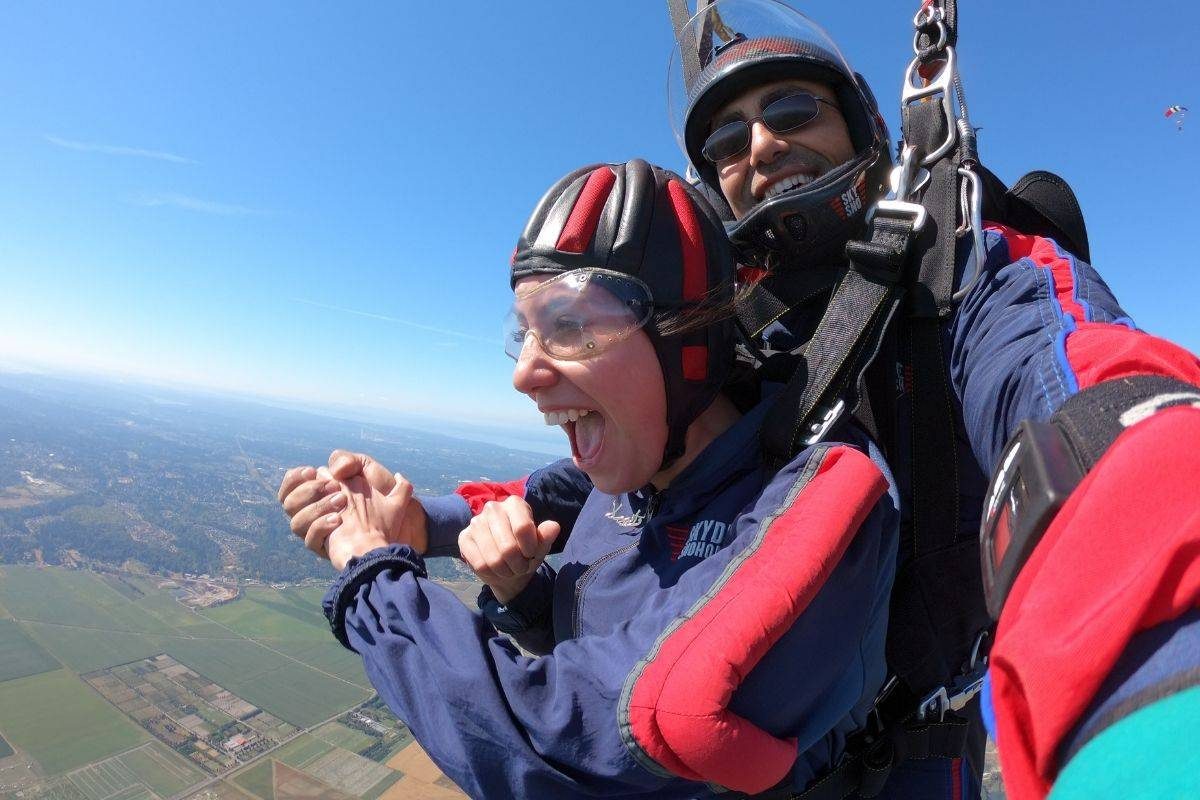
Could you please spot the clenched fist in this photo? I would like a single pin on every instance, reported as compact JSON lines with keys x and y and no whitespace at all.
{"x":505,"y":547}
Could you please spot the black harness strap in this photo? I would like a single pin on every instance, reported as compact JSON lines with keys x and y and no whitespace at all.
{"x":853,"y":324}
{"x":778,"y":292}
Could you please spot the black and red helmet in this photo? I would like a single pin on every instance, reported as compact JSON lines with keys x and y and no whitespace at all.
{"x":648,"y":223}
{"x":731,"y":46}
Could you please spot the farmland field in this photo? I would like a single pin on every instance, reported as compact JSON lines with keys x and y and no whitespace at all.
{"x":20,"y":655}
{"x":71,"y":597}
{"x":97,"y":729}
{"x":262,"y":613}
{"x":105,"y":779}
{"x":259,"y":779}
{"x":327,"y":656}
{"x":342,"y":736}
{"x":302,"y":750}
{"x":86,"y":650}
{"x":270,"y":647}
{"x":160,"y":769}
{"x":293,"y":692}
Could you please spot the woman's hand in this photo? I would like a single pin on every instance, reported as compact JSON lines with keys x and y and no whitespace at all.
{"x":504,"y":547}
{"x":368,"y":520}
{"x":313,"y":500}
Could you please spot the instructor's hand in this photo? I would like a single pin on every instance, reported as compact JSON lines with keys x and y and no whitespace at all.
{"x":505,"y":547}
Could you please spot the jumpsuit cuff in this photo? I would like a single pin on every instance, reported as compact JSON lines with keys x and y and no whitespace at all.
{"x":363,"y":569}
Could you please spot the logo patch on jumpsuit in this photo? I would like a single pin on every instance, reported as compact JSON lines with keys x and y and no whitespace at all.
{"x":705,"y":538}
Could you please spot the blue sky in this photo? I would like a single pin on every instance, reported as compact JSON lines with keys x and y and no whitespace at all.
{"x":318,"y":200}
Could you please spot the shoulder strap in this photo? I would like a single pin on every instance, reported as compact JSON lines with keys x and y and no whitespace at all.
{"x":846,"y":340}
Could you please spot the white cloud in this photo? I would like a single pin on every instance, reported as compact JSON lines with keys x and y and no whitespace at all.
{"x":196,"y":204}
{"x":117,"y":150}
{"x":397,"y":320}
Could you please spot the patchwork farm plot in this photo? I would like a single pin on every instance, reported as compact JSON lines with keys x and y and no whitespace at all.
{"x":250,"y":700}
{"x":197,"y":718}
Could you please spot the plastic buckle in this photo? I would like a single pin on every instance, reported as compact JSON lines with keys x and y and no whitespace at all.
{"x":828,"y":416}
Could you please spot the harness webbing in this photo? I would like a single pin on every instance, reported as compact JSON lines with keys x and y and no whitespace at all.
{"x":846,"y":338}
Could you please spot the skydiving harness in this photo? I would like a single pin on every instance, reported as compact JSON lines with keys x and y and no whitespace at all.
{"x":893,"y":299}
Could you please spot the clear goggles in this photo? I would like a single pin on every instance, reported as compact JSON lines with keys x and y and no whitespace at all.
{"x":577,"y":314}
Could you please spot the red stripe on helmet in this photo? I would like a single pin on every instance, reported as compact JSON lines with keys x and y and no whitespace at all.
{"x":585,"y":215}
{"x":695,"y":362}
{"x":691,"y":242}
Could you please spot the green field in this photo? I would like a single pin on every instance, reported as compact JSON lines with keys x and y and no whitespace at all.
{"x":89,"y":622}
{"x":327,"y":656}
{"x":301,"y":750}
{"x":382,"y":786}
{"x":5,"y":748}
{"x":293,"y":692}
{"x":264,"y":613}
{"x":259,"y":779}
{"x":20,"y":655}
{"x":134,"y":793}
{"x":162,"y":770}
{"x":70,"y":597}
{"x":82,"y":728}
{"x":85,"y":650}
{"x":344,"y":737}
{"x":104,"y":779}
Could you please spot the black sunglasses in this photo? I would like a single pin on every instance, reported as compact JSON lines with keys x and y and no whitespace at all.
{"x":780,"y":116}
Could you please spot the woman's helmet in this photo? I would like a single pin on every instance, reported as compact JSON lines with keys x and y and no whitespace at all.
{"x":637,"y":220}
{"x":733,"y":45}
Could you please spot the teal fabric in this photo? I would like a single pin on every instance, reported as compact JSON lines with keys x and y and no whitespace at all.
{"x":1152,"y":753}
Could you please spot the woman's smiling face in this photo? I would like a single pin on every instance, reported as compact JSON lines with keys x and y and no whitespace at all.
{"x":613,"y":405}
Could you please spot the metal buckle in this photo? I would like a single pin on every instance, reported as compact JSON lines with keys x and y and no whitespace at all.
{"x":960,"y":691}
{"x":941,"y":84}
{"x":906,"y":180}
{"x":915,"y":211}
{"x":828,"y":416}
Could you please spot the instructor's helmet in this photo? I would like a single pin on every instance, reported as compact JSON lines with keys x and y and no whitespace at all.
{"x":639,"y":220}
{"x":733,"y":45}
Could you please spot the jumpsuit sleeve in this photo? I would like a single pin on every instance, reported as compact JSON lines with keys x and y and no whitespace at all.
{"x":527,"y":618}
{"x":1118,"y":561}
{"x":648,"y":709}
{"x":556,"y":491}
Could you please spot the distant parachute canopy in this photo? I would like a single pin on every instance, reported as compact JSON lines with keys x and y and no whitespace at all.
{"x":1178,"y":112}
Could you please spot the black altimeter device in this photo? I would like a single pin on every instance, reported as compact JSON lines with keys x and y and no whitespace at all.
{"x":1038,"y":471}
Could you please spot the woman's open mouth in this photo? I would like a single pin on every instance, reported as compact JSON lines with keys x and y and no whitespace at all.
{"x":585,"y":429}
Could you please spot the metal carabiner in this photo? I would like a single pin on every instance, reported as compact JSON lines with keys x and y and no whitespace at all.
{"x":973,"y":218}
{"x":929,"y":12}
{"x":943,"y":37}
{"x":942,"y":83}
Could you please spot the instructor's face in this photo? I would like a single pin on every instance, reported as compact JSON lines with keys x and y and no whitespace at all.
{"x":775,"y":162}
